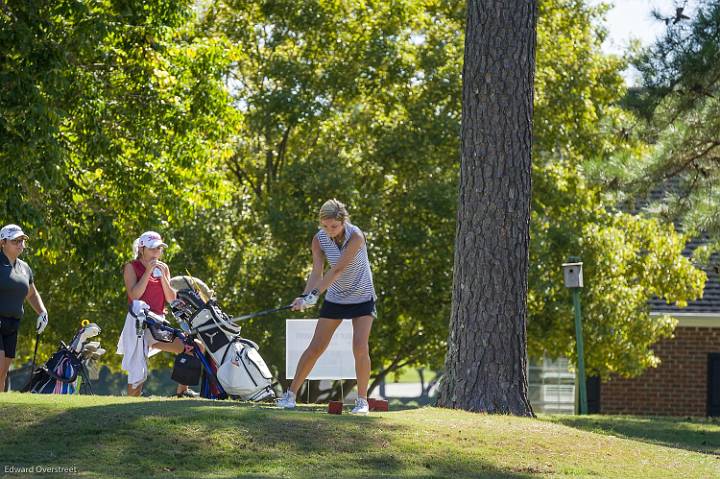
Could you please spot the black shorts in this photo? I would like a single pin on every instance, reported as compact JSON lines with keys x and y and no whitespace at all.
{"x":331,"y":310}
{"x":8,"y":335}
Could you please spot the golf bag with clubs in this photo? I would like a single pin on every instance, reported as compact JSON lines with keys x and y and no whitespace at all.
{"x":235,"y":363}
{"x":68,"y":369}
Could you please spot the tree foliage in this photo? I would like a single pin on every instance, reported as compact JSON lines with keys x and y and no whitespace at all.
{"x":354,"y":100}
{"x":679,"y":97}
{"x":580,"y":133}
{"x":225,"y":126}
{"x":627,"y":260}
{"x":111,"y":117}
{"x":361,"y":101}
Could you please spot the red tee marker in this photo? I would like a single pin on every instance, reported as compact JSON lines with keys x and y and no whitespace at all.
{"x":335,"y":407}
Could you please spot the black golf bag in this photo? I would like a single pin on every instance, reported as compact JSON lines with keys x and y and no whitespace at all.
{"x":58,"y":375}
{"x":68,"y":365}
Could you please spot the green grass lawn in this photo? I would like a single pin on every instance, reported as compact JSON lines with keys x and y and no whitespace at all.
{"x":107,"y":436}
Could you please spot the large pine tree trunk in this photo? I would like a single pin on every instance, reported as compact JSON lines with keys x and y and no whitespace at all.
{"x":486,"y":365}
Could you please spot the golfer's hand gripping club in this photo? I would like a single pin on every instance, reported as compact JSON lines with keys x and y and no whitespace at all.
{"x":309,"y":300}
{"x":42,"y":322}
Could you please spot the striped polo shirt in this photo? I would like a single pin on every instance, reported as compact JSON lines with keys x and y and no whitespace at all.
{"x":355,"y":284}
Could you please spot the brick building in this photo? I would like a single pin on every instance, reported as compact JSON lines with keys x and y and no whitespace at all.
{"x":687,"y":382}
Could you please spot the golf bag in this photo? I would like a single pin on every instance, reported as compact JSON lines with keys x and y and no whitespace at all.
{"x":67,"y":369}
{"x":241,"y":371}
{"x":58,"y":375}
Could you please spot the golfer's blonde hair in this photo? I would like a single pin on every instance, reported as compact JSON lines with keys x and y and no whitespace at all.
{"x":333,"y":210}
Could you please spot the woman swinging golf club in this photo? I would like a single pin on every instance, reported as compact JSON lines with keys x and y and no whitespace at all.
{"x":16,"y":285}
{"x":147,"y":279}
{"x":350,"y":295}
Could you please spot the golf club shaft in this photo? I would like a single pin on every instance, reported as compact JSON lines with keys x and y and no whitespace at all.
{"x":260,"y":313}
{"x":32,"y":367}
{"x":241,"y":318}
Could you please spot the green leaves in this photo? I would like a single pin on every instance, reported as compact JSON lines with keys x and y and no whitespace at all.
{"x":227,"y":131}
{"x":627,"y":260}
{"x":679,"y":99}
{"x":113,"y":121}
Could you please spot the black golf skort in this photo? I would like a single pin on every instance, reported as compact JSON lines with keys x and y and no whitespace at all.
{"x":330,"y":310}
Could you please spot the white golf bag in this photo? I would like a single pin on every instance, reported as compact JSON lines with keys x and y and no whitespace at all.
{"x":241,"y":370}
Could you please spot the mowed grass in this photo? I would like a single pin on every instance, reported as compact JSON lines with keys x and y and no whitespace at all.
{"x":108,"y":437}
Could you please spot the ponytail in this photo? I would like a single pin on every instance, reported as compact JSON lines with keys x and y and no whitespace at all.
{"x":136,"y":248}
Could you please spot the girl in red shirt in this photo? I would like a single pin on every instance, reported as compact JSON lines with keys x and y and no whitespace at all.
{"x":148,"y":279}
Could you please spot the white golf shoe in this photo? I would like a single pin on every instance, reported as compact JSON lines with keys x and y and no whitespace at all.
{"x":361,"y":407}
{"x":287,"y":401}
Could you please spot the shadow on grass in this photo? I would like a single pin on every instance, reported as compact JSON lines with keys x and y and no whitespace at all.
{"x":198,"y":438}
{"x":699,"y":435}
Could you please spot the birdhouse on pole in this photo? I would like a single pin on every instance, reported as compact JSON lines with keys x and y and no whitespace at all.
{"x":573,"y":275}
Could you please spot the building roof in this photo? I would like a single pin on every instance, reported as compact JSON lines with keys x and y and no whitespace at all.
{"x":710,"y":302}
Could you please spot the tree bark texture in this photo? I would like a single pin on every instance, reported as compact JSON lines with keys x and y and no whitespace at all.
{"x":486,"y":364}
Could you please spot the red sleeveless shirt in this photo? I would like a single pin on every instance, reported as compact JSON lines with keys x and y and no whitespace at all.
{"x":153,"y":295}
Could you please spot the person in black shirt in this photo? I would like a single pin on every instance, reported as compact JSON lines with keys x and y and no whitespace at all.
{"x":16,"y":285}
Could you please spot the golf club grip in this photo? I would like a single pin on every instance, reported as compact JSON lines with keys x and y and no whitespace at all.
{"x":164,"y":327}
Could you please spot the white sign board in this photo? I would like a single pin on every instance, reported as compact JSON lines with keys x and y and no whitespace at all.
{"x":337,"y":362}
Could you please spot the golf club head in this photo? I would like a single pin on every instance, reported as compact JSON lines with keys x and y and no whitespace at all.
{"x":95,"y":355}
{"x":92,"y":353}
{"x":76,"y":343}
{"x":92,"y":330}
{"x":91,"y":346}
{"x":89,"y":331}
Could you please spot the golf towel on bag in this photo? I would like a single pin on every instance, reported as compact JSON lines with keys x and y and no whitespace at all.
{"x":135,"y":351}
